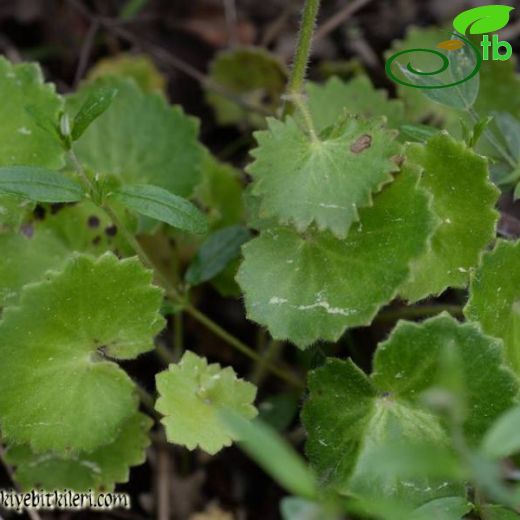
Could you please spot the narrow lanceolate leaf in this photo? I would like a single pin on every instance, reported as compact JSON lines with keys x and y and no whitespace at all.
{"x":502,"y":439}
{"x":38,"y":184}
{"x":162,"y":205}
{"x":215,"y":254}
{"x":463,"y":199}
{"x":495,"y":296}
{"x":59,"y":389}
{"x":301,"y":181}
{"x":351,"y":419}
{"x":139,"y":138}
{"x":357,"y":96}
{"x":98,"y":470}
{"x":191,"y":395}
{"x":96,"y":103}
{"x":313,"y":286}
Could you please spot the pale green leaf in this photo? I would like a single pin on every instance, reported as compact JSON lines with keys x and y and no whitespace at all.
{"x":38,"y":184}
{"x":138,"y":67}
{"x":502,"y":439}
{"x":494,"y":512}
{"x":448,"y":508}
{"x":509,"y":128}
{"x":350,"y":417}
{"x":99,"y":470}
{"x":59,"y":388}
{"x":162,"y":205}
{"x":140,"y":139}
{"x":251,"y":74}
{"x":214,"y":255}
{"x":463,"y":200}
{"x":357,"y":96}
{"x":96,"y":103}
{"x":296,"y":508}
{"x":494,"y":298}
{"x":301,"y":181}
{"x":192,"y":392}
{"x":272,"y":453}
{"x":13,"y":212}
{"x":313,"y":286}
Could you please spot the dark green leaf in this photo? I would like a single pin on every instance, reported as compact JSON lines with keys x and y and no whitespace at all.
{"x":220,"y":248}
{"x":162,"y":205}
{"x":39,"y":184}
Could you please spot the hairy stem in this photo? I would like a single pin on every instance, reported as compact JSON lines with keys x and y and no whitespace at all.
{"x":303,"y":48}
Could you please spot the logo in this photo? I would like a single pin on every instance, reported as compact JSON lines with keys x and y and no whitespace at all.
{"x":467,"y":56}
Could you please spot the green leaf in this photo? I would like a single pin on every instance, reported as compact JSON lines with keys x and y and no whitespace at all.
{"x":25,"y":259}
{"x":39,"y":184}
{"x":502,"y":438}
{"x":96,"y":104}
{"x":22,"y":140}
{"x":251,"y":74}
{"x":192,"y":392}
{"x":448,"y":508}
{"x":494,"y":296}
{"x":419,"y":133}
{"x":350,"y":418}
{"x":509,"y":128}
{"x":138,"y":67}
{"x":140,"y":139}
{"x":311,"y":287}
{"x":162,"y":205}
{"x":59,"y":389}
{"x":13,"y":212}
{"x":99,"y":470}
{"x":273,"y":454}
{"x":495,"y":512}
{"x":358,"y":96}
{"x":300,"y":181}
{"x":483,"y":19}
{"x":219,"y":249}
{"x":463,"y":199}
{"x":220,"y":193}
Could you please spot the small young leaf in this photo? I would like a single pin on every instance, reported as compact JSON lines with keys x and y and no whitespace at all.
{"x":463,"y":198}
{"x":300,"y":181}
{"x":191,"y":394}
{"x":99,"y":470}
{"x":39,"y":184}
{"x":96,"y":103}
{"x":494,"y":296}
{"x":59,"y":388}
{"x":420,"y":133}
{"x":220,"y":248}
{"x":483,"y":19}
{"x":310,"y":287}
{"x":502,"y":439}
{"x":162,"y":205}
{"x":273,"y":454}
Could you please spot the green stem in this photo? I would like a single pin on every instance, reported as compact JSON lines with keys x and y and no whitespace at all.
{"x":178,"y":339}
{"x":420,"y":311}
{"x":242,"y":347}
{"x":303,"y":48}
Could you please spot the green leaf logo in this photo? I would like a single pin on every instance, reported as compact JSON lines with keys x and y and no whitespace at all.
{"x":484,"y":19}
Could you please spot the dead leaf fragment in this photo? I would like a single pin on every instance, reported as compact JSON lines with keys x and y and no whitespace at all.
{"x":361,"y":143}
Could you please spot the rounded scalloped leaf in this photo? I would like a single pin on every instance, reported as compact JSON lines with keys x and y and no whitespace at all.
{"x":350,"y":417}
{"x":310,"y":287}
{"x":494,"y":300}
{"x":301,"y":181}
{"x":357,"y":96}
{"x":98,"y":470}
{"x":463,"y":198}
{"x":138,"y":67}
{"x":59,"y":390}
{"x":254,"y":75}
{"x":140,"y":139}
{"x":191,"y":394}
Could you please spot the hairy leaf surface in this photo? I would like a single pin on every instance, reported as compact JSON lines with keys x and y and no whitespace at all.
{"x":313,"y":286}
{"x":59,"y":389}
{"x":191,"y":394}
